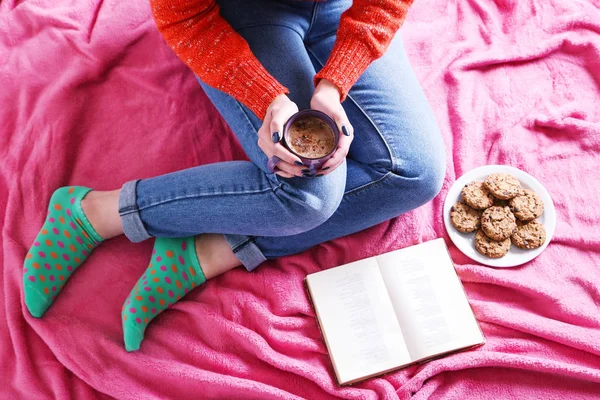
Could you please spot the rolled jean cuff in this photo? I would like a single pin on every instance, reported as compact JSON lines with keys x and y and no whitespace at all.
{"x":133,"y":227}
{"x":246,"y":250}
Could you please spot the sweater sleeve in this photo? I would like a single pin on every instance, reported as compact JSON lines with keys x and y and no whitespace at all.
{"x":364,"y":34}
{"x":217,"y":54}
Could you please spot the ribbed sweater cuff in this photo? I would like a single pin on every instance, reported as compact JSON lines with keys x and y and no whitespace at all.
{"x":347,"y":61}
{"x":255,"y":87}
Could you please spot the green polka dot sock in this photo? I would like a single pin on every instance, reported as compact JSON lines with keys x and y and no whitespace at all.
{"x":64,"y":242}
{"x":174,"y":270}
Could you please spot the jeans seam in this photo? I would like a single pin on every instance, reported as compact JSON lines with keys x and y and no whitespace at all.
{"x":128,"y":211}
{"x":312,"y":18}
{"x":368,"y":185}
{"x":202,"y":195}
{"x":241,"y":245}
{"x":237,"y":247}
{"x":239,"y":104}
{"x":387,"y":146}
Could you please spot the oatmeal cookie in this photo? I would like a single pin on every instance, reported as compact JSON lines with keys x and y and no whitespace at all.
{"x":465,"y":218}
{"x":502,"y":186}
{"x":477,"y":196}
{"x":491,"y":248}
{"x":498,"y":223}
{"x":526,"y":206}
{"x":529,"y":235}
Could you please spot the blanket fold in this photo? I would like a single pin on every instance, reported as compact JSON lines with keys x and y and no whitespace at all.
{"x":90,"y":94}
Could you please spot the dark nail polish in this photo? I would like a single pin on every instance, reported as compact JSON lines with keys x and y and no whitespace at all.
{"x":307,"y":175}
{"x":306,"y":171}
{"x":275,"y":137}
{"x":325,"y":169}
{"x":299,"y":163}
{"x":345,"y":130}
{"x":319,"y":174}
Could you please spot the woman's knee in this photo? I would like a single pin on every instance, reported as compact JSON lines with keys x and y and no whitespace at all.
{"x":422,"y":172}
{"x":311,"y":203}
{"x":429,"y":173}
{"x":432,"y":179}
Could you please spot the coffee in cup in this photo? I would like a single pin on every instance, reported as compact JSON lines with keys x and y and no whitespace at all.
{"x":311,"y":135}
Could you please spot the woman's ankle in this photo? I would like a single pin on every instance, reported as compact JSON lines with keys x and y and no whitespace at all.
{"x":102,"y":210}
{"x":214,"y":254}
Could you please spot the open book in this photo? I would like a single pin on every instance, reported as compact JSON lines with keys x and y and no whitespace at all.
{"x":386,"y":312}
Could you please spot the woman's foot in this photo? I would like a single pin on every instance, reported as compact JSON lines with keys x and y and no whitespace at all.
{"x":174,"y":270}
{"x":64,"y":242}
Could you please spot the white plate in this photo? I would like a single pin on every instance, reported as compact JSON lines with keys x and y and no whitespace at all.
{"x":465,"y":241}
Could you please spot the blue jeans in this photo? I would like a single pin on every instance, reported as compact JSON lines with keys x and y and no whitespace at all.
{"x":396,"y":161}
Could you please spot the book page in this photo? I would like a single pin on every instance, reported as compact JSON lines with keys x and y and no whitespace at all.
{"x":429,"y":301}
{"x":357,"y":320}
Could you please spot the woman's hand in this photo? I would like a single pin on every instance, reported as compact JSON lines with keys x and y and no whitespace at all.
{"x":326,"y":98}
{"x":271,"y":132}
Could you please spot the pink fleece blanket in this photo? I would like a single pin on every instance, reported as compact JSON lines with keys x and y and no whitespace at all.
{"x":91,"y":95}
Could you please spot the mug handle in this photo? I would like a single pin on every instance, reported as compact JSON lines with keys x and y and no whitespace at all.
{"x":272,"y":163}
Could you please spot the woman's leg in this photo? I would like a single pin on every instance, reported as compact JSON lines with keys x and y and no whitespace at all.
{"x":102,"y":210}
{"x":397,"y":160}
{"x":236,"y":197}
{"x":386,"y":179}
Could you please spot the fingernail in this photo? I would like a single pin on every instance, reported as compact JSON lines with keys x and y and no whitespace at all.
{"x":319,"y":174}
{"x":325,"y":169}
{"x":275,"y":137}
{"x":299,"y":163}
{"x":307,"y":175}
{"x":306,"y":171}
{"x":345,"y":130}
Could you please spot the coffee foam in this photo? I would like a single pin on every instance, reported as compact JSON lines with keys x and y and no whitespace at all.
{"x":311,"y":137}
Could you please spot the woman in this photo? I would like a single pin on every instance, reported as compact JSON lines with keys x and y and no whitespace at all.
{"x":259,"y":61}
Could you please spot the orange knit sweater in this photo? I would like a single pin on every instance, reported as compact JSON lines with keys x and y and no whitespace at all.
{"x":222,"y":58}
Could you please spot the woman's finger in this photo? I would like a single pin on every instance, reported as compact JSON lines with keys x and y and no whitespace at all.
{"x":346,"y":140}
{"x":296,"y":170}
{"x":284,"y":174}
{"x":279,"y":115}
{"x":283,"y":165}
{"x":340,"y":153}
{"x":271,"y":133}
{"x":335,"y":161}
{"x":346,"y":134}
{"x":286,"y":156}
